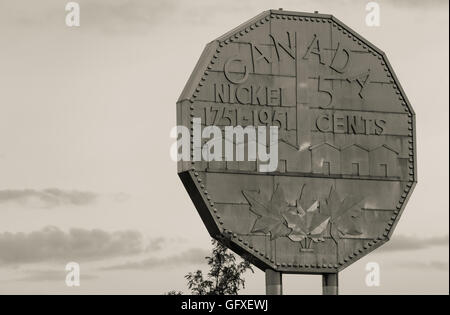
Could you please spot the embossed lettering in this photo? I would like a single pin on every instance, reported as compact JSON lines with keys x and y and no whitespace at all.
{"x":314,"y":48}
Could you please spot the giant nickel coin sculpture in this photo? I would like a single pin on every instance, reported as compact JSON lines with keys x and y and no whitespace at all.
{"x":345,"y":148}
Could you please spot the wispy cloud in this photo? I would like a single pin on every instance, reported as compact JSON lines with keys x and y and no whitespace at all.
{"x":416,"y":3}
{"x":159,"y":243}
{"x":50,"y":275}
{"x":48,"y":198}
{"x":120,"y":197}
{"x":95,"y":14}
{"x":129,"y":16}
{"x":431,"y":265}
{"x":155,"y":244}
{"x":405,"y":243}
{"x":188,"y":257}
{"x":53,"y":244}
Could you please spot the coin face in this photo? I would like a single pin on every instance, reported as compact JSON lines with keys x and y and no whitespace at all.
{"x":329,"y":184}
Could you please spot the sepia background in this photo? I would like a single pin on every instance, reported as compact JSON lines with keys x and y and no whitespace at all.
{"x":85,"y":171}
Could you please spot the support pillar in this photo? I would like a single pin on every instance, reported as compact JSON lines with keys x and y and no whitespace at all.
{"x":330,"y":284}
{"x":274,"y":283}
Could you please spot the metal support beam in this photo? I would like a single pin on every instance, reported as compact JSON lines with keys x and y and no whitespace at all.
{"x":330,"y":284}
{"x":274,"y":283}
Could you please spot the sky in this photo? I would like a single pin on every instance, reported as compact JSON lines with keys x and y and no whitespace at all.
{"x":85,"y":119}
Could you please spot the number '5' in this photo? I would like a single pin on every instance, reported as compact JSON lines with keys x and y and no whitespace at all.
{"x":322,"y":90}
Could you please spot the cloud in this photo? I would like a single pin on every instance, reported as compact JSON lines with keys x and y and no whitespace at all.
{"x":159,"y":243}
{"x":188,"y":257}
{"x":50,"y":275}
{"x":120,"y":11}
{"x":155,"y":244}
{"x":53,"y":244}
{"x":48,"y":198}
{"x":120,"y":197}
{"x":117,"y":15}
{"x":417,"y":3}
{"x":431,"y":265}
{"x":142,"y":16}
{"x":405,"y":243}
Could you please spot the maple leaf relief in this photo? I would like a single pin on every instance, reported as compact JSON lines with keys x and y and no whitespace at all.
{"x":345,"y":215}
{"x":306,"y":222}
{"x":270,"y":219}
